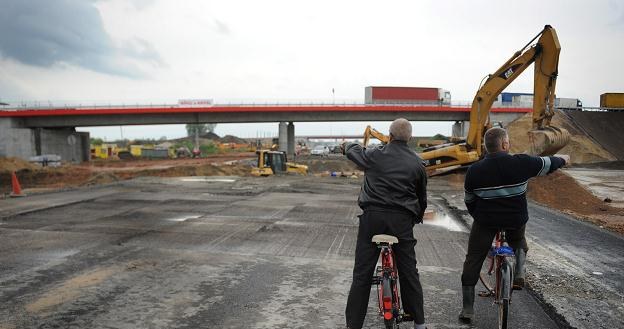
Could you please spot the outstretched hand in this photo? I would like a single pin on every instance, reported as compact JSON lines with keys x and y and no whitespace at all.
{"x":565,"y":158}
{"x":343,"y":146}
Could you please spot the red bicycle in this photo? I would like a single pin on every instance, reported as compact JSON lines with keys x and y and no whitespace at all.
{"x":387,"y":280}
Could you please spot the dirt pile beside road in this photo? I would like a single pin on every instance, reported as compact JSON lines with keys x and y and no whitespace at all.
{"x":327,"y":165}
{"x":582,"y":149}
{"x":562,"y":192}
{"x":605,"y":128}
{"x":15,"y":164}
{"x":179,"y":171}
{"x":74,"y":176}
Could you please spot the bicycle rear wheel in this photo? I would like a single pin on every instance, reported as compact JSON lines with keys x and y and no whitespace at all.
{"x":505,"y":294}
{"x":391,"y":324}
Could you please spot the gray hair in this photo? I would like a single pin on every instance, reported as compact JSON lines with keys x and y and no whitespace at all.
{"x":401,"y":129}
{"x":494,"y":138}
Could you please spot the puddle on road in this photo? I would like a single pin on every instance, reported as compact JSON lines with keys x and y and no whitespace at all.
{"x":436,"y":217}
{"x":208,"y":179}
{"x":183,"y":218}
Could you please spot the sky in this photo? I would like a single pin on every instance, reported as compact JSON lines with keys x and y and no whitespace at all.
{"x":160,"y":51}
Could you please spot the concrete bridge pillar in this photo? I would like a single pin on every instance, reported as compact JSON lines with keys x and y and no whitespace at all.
{"x":15,"y":140}
{"x":291,"y":141}
{"x":460,"y":129}
{"x":283,"y":136}
{"x":22,"y":142}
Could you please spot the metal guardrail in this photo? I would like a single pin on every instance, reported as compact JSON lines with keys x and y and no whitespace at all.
{"x":50,"y":106}
{"x":591,"y":109}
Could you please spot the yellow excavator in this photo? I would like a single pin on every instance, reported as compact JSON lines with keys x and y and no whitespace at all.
{"x":544,"y":138}
{"x":274,"y":162}
{"x":371,"y":132}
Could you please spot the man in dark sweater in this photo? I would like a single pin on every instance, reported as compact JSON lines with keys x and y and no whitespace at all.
{"x":393,"y":198}
{"x":495,"y":195}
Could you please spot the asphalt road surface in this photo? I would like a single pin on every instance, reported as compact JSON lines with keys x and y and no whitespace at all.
{"x":213,"y":252}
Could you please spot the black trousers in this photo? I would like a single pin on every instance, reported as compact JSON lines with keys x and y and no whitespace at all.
{"x":401,"y":225}
{"x":479,"y":244}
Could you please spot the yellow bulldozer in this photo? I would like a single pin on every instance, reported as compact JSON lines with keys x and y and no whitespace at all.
{"x":275,"y":162}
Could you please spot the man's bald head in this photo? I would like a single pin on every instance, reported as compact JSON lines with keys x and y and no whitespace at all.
{"x":496,"y":140}
{"x":401,"y":130}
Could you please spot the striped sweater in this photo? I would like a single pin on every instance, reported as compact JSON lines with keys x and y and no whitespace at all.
{"x":495,"y":187}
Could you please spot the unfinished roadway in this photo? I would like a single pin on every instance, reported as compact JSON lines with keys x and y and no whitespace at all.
{"x":224,"y":252}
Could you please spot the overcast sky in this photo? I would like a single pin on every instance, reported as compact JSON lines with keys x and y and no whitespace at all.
{"x":159,"y":51}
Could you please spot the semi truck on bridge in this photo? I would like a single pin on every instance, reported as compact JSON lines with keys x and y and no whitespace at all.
{"x":407,"y":95}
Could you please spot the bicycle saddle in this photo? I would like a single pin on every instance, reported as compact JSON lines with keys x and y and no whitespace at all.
{"x":384,"y":238}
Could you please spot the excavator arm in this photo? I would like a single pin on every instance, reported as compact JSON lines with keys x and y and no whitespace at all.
{"x":545,"y":55}
{"x":544,"y":138}
{"x":373,"y":133}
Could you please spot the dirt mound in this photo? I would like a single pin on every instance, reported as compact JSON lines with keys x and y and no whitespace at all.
{"x":605,"y":128}
{"x":317,"y":166}
{"x":210,"y":135}
{"x":582,"y":149}
{"x":560,"y":191}
{"x":15,"y":164}
{"x":74,"y":176}
{"x":102,"y":178}
{"x":201,"y":170}
{"x":232,"y":139}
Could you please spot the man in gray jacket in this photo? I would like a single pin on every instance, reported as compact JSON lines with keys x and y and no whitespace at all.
{"x":393,"y":198}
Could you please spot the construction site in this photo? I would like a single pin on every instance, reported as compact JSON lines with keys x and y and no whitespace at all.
{"x":173,"y":242}
{"x":209,"y":231}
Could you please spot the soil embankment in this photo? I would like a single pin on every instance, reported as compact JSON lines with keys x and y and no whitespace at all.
{"x":582,"y":148}
{"x":102,"y":172}
{"x":605,"y":128}
{"x":562,"y":192}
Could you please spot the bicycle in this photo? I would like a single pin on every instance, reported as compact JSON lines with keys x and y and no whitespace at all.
{"x":502,"y":259}
{"x":387,"y":280}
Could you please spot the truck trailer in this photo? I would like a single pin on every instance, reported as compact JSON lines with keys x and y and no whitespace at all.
{"x":407,"y":95}
{"x":612,"y":100}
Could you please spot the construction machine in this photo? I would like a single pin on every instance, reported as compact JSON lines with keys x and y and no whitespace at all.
{"x":371,"y":132}
{"x":544,"y":138}
{"x":275,"y":162}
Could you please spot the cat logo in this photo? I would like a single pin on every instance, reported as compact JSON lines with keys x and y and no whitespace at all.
{"x":508,"y":73}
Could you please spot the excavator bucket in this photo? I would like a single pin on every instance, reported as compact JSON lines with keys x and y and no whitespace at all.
{"x":548,"y":140}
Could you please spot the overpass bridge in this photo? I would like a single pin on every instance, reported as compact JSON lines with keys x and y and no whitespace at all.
{"x":29,"y":131}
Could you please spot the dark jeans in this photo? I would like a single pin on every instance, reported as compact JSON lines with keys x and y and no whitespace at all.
{"x":479,"y":244}
{"x":401,"y":225}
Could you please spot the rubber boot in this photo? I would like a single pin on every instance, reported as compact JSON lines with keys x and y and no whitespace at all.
{"x":519,"y":272}
{"x":467,"y":313}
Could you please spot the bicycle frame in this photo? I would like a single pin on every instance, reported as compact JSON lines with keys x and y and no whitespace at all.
{"x":501,"y":265}
{"x":388,"y":294}
{"x":387,"y":280}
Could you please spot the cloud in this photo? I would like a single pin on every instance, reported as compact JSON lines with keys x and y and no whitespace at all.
{"x":46,"y":33}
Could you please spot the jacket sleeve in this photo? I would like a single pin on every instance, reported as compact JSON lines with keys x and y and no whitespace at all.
{"x":422,"y":195}
{"x":469,"y":197}
{"x":542,"y":166}
{"x":362,"y":157}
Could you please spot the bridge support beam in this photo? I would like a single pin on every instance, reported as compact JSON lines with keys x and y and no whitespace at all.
{"x":291,"y":141}
{"x":18,"y":141}
{"x":283,"y":136}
